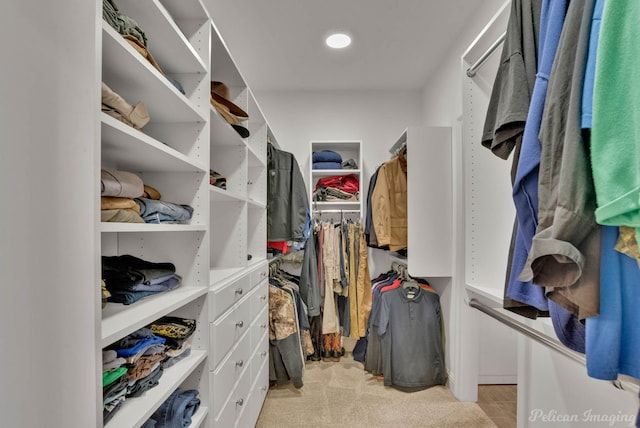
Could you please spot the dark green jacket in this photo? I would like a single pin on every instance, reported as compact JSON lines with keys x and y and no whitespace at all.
{"x":287,"y":201}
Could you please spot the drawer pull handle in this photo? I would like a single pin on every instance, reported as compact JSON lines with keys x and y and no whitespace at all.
{"x":240,"y":402}
{"x":240,"y":324}
{"x":239,"y":363}
{"x":263,"y":274}
{"x":263,"y":297}
{"x":264,"y":388}
{"x":263,"y":325}
{"x":239,"y":291}
{"x":263,"y":353}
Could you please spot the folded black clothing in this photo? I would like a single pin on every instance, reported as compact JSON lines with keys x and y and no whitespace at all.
{"x":126,"y":271}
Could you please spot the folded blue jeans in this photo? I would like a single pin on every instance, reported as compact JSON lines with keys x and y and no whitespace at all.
{"x":177,"y":410}
{"x":155,"y":211}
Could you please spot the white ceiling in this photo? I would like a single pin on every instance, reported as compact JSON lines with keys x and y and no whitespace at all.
{"x":279,"y":44}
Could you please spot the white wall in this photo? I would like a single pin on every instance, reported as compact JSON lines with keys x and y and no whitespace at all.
{"x":377,"y":118}
{"x":49,"y":253}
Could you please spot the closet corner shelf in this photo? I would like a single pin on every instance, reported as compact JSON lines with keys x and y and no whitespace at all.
{"x":119,"y":320}
{"x":254,"y":159}
{"x":223,"y":134}
{"x":256,"y":204}
{"x":186,"y":9}
{"x":135,"y":411}
{"x":172,"y":50}
{"x":132,"y":149}
{"x":133,"y":77}
{"x":112,"y":227}
{"x":331,"y":172}
{"x":222,"y":195}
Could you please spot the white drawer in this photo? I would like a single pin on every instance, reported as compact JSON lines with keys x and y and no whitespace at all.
{"x":228,"y":373}
{"x":224,"y":297}
{"x":228,"y":329}
{"x":260,"y":389}
{"x":259,"y":327}
{"x":260,"y":299}
{"x":259,"y":274}
{"x":261,"y":355}
{"x":238,"y":399}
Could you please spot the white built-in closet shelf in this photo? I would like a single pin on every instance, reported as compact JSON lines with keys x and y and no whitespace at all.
{"x":134,"y":150}
{"x":253,"y":204}
{"x":173,"y":52}
{"x":120,"y":320}
{"x":222,"y":195}
{"x":223,"y":134}
{"x":331,"y":172}
{"x":113,"y":227}
{"x":255,"y":160}
{"x":127,"y":72}
{"x":138,"y":409}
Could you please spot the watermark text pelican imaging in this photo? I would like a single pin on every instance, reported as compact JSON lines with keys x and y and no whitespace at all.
{"x":587,"y":417}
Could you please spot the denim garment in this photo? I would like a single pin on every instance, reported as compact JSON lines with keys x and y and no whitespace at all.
{"x":130,"y":297}
{"x":173,"y":360}
{"x":140,"y":346}
{"x":326,"y":156}
{"x":150,"y":423}
{"x":165,"y":283}
{"x":153,"y":211}
{"x":146,"y":383}
{"x":177,"y":410}
{"x":122,"y":272}
{"x":327,"y":165}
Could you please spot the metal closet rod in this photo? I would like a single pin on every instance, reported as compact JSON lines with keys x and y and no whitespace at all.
{"x":545,"y":340}
{"x":319,"y":210}
{"x":471,"y":71}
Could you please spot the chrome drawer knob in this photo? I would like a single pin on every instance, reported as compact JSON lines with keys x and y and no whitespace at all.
{"x":240,"y":402}
{"x":239,"y":291}
{"x":263,"y":325}
{"x":240,"y":324}
{"x":263,"y":297}
{"x":263,"y":353}
{"x":264,"y":388}
{"x":240,"y":363}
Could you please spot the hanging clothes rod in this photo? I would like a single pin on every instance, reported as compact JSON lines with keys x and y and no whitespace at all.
{"x":545,"y":340}
{"x":471,"y":71}
{"x":319,"y":210}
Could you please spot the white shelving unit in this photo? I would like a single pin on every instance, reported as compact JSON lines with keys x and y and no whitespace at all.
{"x":238,"y":296}
{"x":348,"y":149}
{"x":171,"y":153}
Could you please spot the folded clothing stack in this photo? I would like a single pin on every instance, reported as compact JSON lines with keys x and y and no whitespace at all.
{"x":326,"y":159}
{"x":129,"y":278}
{"x":125,"y":198}
{"x":130,"y":367}
{"x":343,"y":188}
{"x":177,"y":332}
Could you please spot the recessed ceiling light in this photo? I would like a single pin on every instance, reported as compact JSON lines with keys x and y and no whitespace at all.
{"x":338,"y":40}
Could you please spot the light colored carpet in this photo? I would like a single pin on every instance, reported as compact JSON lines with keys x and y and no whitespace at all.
{"x":344,"y":395}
